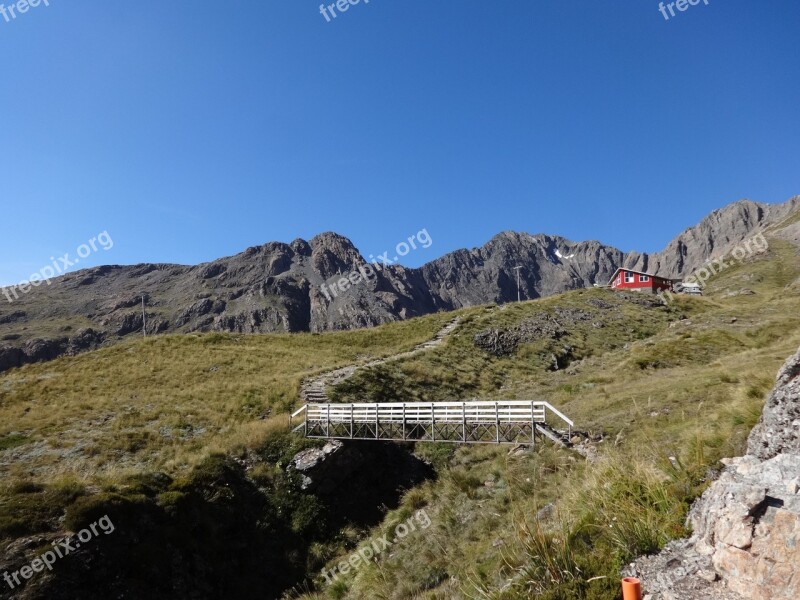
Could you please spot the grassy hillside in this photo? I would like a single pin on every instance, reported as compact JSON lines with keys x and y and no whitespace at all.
{"x":673,"y":389}
{"x":150,"y":427}
{"x":166,"y":402}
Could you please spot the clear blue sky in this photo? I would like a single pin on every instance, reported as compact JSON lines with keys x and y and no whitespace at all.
{"x":191,"y":130}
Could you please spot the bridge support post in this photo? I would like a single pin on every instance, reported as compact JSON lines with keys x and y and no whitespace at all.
{"x":497,"y":422}
{"x":464,"y":422}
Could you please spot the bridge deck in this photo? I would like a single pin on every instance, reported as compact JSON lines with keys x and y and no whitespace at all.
{"x":507,"y":421}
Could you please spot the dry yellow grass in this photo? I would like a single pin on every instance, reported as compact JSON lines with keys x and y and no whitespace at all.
{"x":165,"y":403}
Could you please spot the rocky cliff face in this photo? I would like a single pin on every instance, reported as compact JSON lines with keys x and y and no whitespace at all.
{"x":714,"y":236}
{"x":551,"y":264}
{"x":747,"y":524}
{"x":279,"y":287}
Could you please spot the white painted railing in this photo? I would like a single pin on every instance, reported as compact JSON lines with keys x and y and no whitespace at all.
{"x":456,"y":413}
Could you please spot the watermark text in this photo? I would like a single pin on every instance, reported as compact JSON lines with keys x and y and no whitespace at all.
{"x":365,"y":271}
{"x":61,"y":548}
{"x":58,"y":266}
{"x":376,"y":547}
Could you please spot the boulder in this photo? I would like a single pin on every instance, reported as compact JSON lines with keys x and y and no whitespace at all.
{"x":84,"y":339}
{"x":40,"y":350}
{"x":746,"y":526}
{"x":10,"y":357}
{"x":779,"y":427}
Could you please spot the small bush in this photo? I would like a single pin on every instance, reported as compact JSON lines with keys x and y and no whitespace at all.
{"x":25,"y":487}
{"x":89,"y":509}
{"x":12,"y":441}
{"x":465,"y":482}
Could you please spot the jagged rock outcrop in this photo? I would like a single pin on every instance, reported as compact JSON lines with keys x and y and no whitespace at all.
{"x":85,"y":339}
{"x":41,"y":350}
{"x":714,"y":236}
{"x":289,"y":287}
{"x":551,"y":264}
{"x":11,"y":357}
{"x":502,"y":342}
{"x":746,"y":526}
{"x":778,"y":431}
{"x":323,"y":469}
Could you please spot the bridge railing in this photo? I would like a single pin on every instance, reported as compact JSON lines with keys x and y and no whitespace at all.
{"x":439,"y":413}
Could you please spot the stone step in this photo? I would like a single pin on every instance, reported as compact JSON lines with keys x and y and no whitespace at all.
{"x":554,"y":435}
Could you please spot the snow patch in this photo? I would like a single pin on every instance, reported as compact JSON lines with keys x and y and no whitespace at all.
{"x":559,"y":255}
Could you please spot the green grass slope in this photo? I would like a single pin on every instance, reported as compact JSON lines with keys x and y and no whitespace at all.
{"x":150,"y":427}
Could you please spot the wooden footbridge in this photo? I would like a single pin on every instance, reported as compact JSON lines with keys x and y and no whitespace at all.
{"x":501,"y":422}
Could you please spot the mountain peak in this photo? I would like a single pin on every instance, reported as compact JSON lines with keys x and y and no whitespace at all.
{"x":290,"y":287}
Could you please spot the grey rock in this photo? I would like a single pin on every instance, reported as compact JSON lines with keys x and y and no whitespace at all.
{"x":85,"y":339}
{"x":504,"y":342}
{"x":547,"y":512}
{"x":715,"y":236}
{"x":747,"y":523}
{"x":11,"y":357}
{"x":17,"y":315}
{"x":778,"y":430}
{"x":330,"y":470}
{"x":322,"y":470}
{"x":39,"y":350}
{"x":129,"y":323}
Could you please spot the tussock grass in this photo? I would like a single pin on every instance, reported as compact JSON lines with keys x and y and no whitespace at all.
{"x":168,"y":402}
{"x":674,"y":390}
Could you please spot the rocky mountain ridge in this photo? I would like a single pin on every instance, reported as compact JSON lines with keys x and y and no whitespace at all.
{"x":278,"y":287}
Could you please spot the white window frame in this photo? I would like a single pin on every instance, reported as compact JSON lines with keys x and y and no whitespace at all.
{"x":644,"y":278}
{"x":619,"y":279}
{"x":629,"y":277}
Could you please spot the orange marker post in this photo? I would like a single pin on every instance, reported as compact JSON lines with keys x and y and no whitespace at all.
{"x":631,"y":589}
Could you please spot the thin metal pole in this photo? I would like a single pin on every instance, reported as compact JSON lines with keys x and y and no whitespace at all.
{"x":352,"y":408}
{"x":464,"y":422}
{"x":497,"y":421}
{"x":433,"y":422}
{"x":519,"y":296}
{"x":404,"y":421}
{"x":328,"y":422}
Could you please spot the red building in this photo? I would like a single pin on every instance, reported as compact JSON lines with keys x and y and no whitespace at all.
{"x":628,"y":279}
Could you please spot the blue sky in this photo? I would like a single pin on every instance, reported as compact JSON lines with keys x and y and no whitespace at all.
{"x":191,"y":131}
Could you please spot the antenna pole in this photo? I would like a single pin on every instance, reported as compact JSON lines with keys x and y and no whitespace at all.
{"x":519,"y":295}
